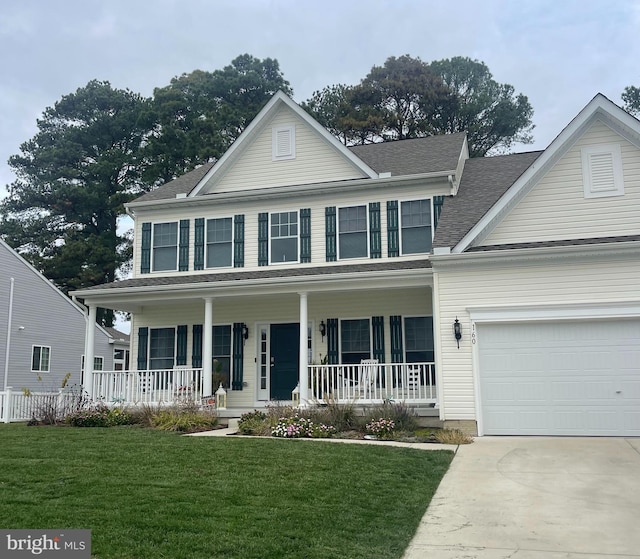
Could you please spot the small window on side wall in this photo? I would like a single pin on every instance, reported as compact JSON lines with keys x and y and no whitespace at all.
{"x":602,"y":171}
{"x":40,"y":358}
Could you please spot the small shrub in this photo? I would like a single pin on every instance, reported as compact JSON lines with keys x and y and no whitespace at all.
{"x":183,"y":419}
{"x":452,"y":436}
{"x":99,"y":416}
{"x":341,"y":416}
{"x":403,"y":416}
{"x":254,"y":423}
{"x":382,"y":428}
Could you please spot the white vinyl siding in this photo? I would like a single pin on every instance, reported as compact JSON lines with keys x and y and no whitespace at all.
{"x":568,"y":281}
{"x":315,"y":160}
{"x":556,"y":207}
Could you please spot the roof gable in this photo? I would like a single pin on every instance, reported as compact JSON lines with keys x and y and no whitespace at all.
{"x":279,"y":110}
{"x":599,"y":108}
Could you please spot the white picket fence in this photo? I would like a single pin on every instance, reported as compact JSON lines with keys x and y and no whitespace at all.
{"x":18,"y":406}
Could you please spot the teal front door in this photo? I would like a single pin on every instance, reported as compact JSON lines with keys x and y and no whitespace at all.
{"x":285,"y":359}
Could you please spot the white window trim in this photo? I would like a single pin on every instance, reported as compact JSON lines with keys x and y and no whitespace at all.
{"x":95,"y":357}
{"x":431,"y":216}
{"x":297,"y":260}
{"x":367,"y":232}
{"x":153,"y":246}
{"x":291,"y":153}
{"x":40,"y":370}
{"x":206,"y":241}
{"x":617,"y":188}
{"x":175,"y":345}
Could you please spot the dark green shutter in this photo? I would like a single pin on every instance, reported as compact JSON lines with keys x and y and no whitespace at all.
{"x":263,"y":239}
{"x":332,"y":341}
{"x":143,"y":342}
{"x":145,"y":252}
{"x":375,"y":241}
{"x":238,"y":241}
{"x":198,"y":248}
{"x":395,"y":324}
{"x":183,"y":250}
{"x":305,"y":235}
{"x":330,"y":232}
{"x":238,"y":356}
{"x":393,"y":241}
{"x":378,"y":338}
{"x":196,"y":346}
{"x":437,"y":209}
{"x":181,"y":345}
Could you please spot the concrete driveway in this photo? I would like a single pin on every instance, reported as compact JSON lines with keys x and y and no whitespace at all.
{"x":536,"y":498}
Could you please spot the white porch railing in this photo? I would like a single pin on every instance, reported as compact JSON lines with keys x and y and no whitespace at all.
{"x":413,"y":383}
{"x":148,"y":387}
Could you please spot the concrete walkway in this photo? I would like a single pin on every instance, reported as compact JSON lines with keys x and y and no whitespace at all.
{"x":536,"y":498}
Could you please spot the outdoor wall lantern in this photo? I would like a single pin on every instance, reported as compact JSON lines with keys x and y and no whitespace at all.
{"x":245,"y":331}
{"x":295,"y":396}
{"x":221,"y":398}
{"x":457,"y":331}
{"x":323,"y":329}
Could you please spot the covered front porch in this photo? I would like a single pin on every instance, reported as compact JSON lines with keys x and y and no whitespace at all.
{"x":347,"y":334}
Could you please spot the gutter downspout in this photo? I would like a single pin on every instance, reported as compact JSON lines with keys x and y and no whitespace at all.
{"x":8,"y":348}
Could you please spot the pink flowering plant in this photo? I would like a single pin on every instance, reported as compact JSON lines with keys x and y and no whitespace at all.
{"x":296,"y":427}
{"x":382,"y":428}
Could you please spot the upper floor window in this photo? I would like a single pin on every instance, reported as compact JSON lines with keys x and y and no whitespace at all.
{"x":352,"y":230}
{"x":219,"y":242}
{"x":355,"y":338}
{"x":284,"y":237}
{"x":162,"y":347}
{"x":165,"y":246}
{"x":415,"y":222}
{"x":40,"y":358}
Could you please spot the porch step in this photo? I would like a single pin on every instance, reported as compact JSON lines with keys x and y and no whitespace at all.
{"x":233,"y":423}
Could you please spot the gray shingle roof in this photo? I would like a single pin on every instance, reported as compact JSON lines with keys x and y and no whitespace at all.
{"x":181,"y":185}
{"x":484,"y":181}
{"x":412,"y":157}
{"x":558,"y":243}
{"x":187,"y":279}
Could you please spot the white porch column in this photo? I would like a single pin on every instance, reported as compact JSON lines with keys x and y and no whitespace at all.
{"x":304,"y":365}
{"x":207,"y":348}
{"x":89,"y":351}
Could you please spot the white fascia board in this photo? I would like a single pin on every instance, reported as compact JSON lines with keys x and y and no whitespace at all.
{"x":621,"y":248}
{"x":598,"y":106}
{"x":259,"y":121}
{"x":563,"y":311}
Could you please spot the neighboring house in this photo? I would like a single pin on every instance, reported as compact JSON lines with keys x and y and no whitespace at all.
{"x":382,"y":251}
{"x":42,"y":331}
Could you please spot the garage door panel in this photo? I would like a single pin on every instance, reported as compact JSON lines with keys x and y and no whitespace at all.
{"x":560,"y":378}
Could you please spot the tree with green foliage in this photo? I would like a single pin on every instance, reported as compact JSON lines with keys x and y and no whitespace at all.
{"x":73,"y":178}
{"x":493,"y":116}
{"x":631,"y":98}
{"x":408,"y":98}
{"x":199,"y":115}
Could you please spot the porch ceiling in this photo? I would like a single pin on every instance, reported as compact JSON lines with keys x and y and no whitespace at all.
{"x":130,"y":295}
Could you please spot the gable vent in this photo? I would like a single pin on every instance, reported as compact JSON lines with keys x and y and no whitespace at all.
{"x":602,"y":171}
{"x":284,"y":142}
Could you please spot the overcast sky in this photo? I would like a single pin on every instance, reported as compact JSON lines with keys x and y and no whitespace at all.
{"x":558,"y":53}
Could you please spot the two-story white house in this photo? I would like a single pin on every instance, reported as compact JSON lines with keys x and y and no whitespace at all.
{"x":503,"y":292}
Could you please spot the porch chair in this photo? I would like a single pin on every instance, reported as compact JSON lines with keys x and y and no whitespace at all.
{"x":368,"y":375}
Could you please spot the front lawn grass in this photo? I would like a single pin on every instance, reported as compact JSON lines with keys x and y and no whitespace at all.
{"x":149,"y":494}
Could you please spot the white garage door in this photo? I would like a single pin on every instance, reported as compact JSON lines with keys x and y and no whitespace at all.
{"x":560,"y":378}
